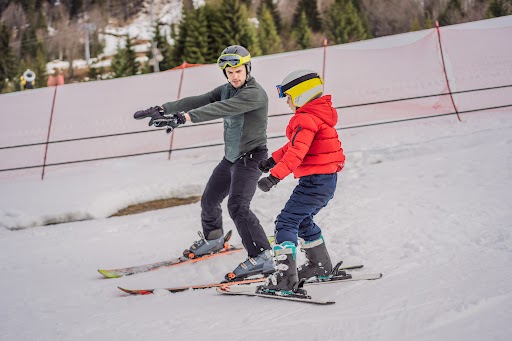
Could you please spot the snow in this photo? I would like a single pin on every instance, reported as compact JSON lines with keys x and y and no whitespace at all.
{"x":425,"y":202}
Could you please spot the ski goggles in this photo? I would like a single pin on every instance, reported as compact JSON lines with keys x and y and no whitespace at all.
{"x":280,"y":91}
{"x":232,"y":60}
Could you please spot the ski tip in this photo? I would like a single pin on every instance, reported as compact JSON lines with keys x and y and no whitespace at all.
{"x":128,"y":291}
{"x":136,"y":292}
{"x":108,"y":274}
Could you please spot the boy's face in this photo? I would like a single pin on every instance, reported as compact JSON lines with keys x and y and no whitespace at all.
{"x":290,"y":103}
{"x":236,"y":75}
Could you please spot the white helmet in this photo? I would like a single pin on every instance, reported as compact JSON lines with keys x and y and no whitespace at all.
{"x":29,"y":75}
{"x":302,"y":86}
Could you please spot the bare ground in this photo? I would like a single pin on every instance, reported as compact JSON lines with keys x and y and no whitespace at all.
{"x":156,"y":205}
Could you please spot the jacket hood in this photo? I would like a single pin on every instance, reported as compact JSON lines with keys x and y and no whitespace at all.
{"x":321,"y":108}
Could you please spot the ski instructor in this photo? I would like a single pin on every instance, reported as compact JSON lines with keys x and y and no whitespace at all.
{"x":243,"y":105}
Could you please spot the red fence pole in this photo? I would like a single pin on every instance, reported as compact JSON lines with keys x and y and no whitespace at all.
{"x":49,"y":130}
{"x":444,"y":70}
{"x":184,"y":65}
{"x":323,"y":66}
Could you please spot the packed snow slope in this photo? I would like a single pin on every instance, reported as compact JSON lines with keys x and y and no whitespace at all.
{"x":425,"y":202}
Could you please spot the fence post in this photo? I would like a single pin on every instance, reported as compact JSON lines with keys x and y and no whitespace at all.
{"x":49,"y":130}
{"x":444,"y":70}
{"x":183,"y":66}
{"x":323,"y":66}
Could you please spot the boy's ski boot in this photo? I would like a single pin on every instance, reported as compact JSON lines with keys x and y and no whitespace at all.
{"x":215,"y":241}
{"x":318,"y":263}
{"x":284,"y":281}
{"x":261,"y":264}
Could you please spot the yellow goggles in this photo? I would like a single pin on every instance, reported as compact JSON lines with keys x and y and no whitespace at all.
{"x":232,"y":60}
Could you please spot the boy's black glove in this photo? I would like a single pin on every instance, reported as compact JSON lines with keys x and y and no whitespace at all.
{"x":265,"y":184}
{"x":266,"y":165}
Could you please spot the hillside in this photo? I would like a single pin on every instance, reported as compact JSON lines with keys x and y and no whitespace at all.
{"x":424,"y":202}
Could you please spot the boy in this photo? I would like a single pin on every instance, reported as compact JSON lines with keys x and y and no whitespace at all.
{"x":315,"y":156}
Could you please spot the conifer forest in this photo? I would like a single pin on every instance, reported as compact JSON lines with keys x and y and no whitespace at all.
{"x":34,"y":33}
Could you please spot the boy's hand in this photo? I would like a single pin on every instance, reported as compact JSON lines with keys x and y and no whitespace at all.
{"x":265,"y":184}
{"x":266,"y":165}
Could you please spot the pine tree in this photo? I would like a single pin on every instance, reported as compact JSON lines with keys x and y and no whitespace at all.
{"x":39,"y":67}
{"x":452,"y":14}
{"x":92,"y":73}
{"x":253,"y":40}
{"x":165,"y":49}
{"x":234,"y":27}
{"x":132,"y":64}
{"x":499,"y":8}
{"x":196,"y":42}
{"x":29,"y":43}
{"x":7,"y":59}
{"x":269,"y":40}
{"x":415,"y":25}
{"x":429,"y":22}
{"x":118,"y":65}
{"x":302,"y":32}
{"x":272,"y":6}
{"x":343,"y":23}
{"x":215,"y":41}
{"x":313,"y":16}
{"x":179,"y":35}
{"x":123,"y":62}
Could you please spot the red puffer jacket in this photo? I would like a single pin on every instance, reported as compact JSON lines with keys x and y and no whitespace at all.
{"x":314,"y":146}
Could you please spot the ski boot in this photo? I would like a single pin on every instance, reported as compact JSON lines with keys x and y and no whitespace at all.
{"x":318,"y":263}
{"x":261,"y":264}
{"x":215,"y":241}
{"x":284,"y":281}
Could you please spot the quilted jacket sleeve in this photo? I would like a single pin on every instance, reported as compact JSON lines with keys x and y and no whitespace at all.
{"x":303,"y":129}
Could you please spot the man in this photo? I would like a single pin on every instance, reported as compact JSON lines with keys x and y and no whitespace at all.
{"x":243,"y":105}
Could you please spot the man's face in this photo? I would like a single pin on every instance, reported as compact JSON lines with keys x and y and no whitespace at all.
{"x":236,"y":75}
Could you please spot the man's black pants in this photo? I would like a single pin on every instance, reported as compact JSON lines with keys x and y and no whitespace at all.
{"x":237,"y":180}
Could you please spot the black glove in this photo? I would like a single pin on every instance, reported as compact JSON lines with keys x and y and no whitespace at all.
{"x":170,"y":121}
{"x":153,"y":112}
{"x":265,"y":184}
{"x":266,"y":165}
{"x":159,"y":119}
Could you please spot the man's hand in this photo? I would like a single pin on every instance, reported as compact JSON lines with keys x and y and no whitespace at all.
{"x":266,"y":165}
{"x":153,"y":112}
{"x":159,"y":119}
{"x":170,"y":121}
{"x":265,"y":184}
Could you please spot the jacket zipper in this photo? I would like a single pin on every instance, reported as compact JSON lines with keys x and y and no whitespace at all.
{"x":299,"y":128}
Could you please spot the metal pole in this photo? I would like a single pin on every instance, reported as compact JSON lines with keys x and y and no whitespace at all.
{"x":87,"y":52}
{"x":154,"y":49}
{"x":444,"y":70}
